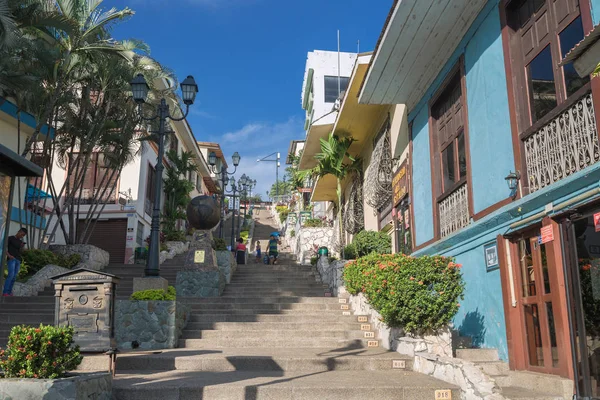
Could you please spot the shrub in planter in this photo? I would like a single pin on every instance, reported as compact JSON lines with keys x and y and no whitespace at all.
{"x":36,"y":259}
{"x":313,"y":223}
{"x":219,"y":244}
{"x":45,"y":352}
{"x":350,"y":252}
{"x":314,"y":260}
{"x":293,"y":233}
{"x":175,"y":236}
{"x":416,"y":294}
{"x":283,"y":215}
{"x":155,"y":295}
{"x":367,"y":242}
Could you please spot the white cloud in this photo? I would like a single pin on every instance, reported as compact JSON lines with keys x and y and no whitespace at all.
{"x":202,"y":113}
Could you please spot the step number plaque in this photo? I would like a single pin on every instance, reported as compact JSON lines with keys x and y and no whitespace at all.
{"x":445,"y":394}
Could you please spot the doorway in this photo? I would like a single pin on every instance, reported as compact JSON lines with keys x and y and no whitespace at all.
{"x":581,"y":242}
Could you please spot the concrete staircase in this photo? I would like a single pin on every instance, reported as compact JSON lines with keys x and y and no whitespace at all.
{"x":518,"y":385}
{"x":273,"y":335}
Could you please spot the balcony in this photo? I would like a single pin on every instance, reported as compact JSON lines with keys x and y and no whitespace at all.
{"x":565,"y":145}
{"x":454,"y":211}
{"x":91,"y":196}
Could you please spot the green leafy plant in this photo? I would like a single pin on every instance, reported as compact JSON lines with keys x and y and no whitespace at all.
{"x":155,"y":294}
{"x":219,"y":244}
{"x":36,"y":259}
{"x":417,"y":294}
{"x":314,"y":260}
{"x":313,"y":223}
{"x":367,"y":242}
{"x":164,"y":247}
{"x":175,"y":236}
{"x":283,"y":215}
{"x":350,"y":252}
{"x":293,"y":233}
{"x":45,"y":352}
{"x":591,"y":304}
{"x":244,"y":235}
{"x":69,"y":261}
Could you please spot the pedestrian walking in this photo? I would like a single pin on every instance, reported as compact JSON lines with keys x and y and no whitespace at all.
{"x":257,"y":249}
{"x":14,"y":250}
{"x":273,"y":249}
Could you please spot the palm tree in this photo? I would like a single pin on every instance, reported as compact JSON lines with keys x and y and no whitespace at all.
{"x":334,"y":159}
{"x":177,"y":188}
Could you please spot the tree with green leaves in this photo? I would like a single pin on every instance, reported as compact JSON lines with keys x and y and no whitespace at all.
{"x":177,"y":190}
{"x":334,"y":159}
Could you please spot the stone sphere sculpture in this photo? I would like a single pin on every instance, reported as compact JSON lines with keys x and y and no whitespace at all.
{"x":203,"y":212}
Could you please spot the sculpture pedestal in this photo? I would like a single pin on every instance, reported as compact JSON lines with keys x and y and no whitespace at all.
{"x":201,"y":276}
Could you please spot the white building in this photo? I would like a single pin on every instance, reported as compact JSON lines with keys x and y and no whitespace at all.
{"x":124,"y":223}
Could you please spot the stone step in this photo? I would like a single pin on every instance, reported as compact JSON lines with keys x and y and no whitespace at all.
{"x":31,"y":307}
{"x":261,"y":300}
{"x":494,"y":367}
{"x":26,"y":300}
{"x":219,"y":343}
{"x":521,"y":393}
{"x":282,"y":326}
{"x":280,"y":385}
{"x":277,"y":317}
{"x":276,"y":334}
{"x":266,"y":306}
{"x":27,"y":318}
{"x":536,"y":382}
{"x":244,"y":359}
{"x":198,"y":316}
{"x":476,"y":355}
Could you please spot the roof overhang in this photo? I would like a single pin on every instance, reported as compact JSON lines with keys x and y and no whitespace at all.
{"x":216,"y":147}
{"x":211,"y":185}
{"x":325,"y":189}
{"x":312,"y":145}
{"x":358,"y":120}
{"x":15,"y":165}
{"x":585,"y":56}
{"x":415,"y":44}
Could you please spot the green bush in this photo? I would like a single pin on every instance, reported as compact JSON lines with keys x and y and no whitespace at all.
{"x":417,"y":294}
{"x":293,"y":233}
{"x":314,"y":260}
{"x":244,"y":235}
{"x":367,"y":242}
{"x":219,"y":244}
{"x":46,"y":352}
{"x":313,"y":223}
{"x":164,"y":247}
{"x":175,"y":236}
{"x":37,"y":259}
{"x":283,"y":215}
{"x":350,"y":252}
{"x":155,"y":294}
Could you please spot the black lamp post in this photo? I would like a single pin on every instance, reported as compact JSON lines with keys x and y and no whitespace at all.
{"x":224,"y":175}
{"x":235,"y":188}
{"x":140,"y":89}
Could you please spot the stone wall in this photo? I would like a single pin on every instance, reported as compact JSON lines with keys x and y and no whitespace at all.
{"x":96,"y":386}
{"x":38,"y":282}
{"x":305,"y":240}
{"x":387,"y":335}
{"x":153,"y":324}
{"x":332,"y":273}
{"x":92,"y":257}
{"x":227,"y":264}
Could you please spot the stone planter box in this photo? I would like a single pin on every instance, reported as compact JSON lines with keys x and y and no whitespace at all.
{"x":152,"y":324}
{"x":227,"y":264}
{"x":38,"y":282}
{"x":96,"y":386}
{"x":332,"y":273}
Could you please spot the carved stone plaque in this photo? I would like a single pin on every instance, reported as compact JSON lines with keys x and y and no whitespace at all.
{"x":363,"y":318}
{"x":83,"y":323}
{"x":69,"y":304}
{"x":97,"y":303}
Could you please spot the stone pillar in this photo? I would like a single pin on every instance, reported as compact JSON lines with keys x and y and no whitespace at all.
{"x":201,"y":276}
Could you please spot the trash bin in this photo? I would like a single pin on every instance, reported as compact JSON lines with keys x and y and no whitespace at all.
{"x":323,"y":251}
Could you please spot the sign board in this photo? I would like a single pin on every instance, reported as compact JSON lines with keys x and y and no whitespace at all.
{"x":547,"y":234}
{"x":400,"y":183}
{"x":305,"y":190}
{"x":130,"y":238}
{"x":292,"y":218}
{"x":491,"y":256}
{"x":199,"y":257}
{"x":304,"y":215}
{"x":597,"y":222}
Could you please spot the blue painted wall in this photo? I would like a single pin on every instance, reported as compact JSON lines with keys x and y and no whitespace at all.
{"x":490,"y":137}
{"x":24,"y":217}
{"x":421,"y":176}
{"x":595,"y":11}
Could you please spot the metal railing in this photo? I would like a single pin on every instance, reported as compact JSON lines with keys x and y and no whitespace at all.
{"x":454,"y":211}
{"x":565,"y":145}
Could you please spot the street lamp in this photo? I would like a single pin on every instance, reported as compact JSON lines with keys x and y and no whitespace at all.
{"x":224,"y":175}
{"x":235,"y":188}
{"x":276,"y":160}
{"x":140,"y":89}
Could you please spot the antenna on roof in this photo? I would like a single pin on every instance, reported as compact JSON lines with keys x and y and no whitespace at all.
{"x":339,"y":77}
{"x":358,"y":47}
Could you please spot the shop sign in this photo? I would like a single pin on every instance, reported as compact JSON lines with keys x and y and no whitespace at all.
{"x":305,"y":190}
{"x":292,"y":218}
{"x":400,"y":183}
{"x":547,"y":234}
{"x":597,"y":222}
{"x":304,"y":215}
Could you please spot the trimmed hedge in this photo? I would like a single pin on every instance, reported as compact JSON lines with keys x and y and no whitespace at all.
{"x":416,"y":294}
{"x":155,"y":295}
{"x":367,"y":242}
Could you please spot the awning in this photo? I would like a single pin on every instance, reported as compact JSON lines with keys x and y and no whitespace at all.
{"x":312,"y":145}
{"x":418,"y":40}
{"x":325,"y":189}
{"x":586,"y":54}
{"x":15,"y":165}
{"x":35,"y":194}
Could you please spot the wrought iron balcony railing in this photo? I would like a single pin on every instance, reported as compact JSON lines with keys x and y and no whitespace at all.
{"x":565,"y":145}
{"x":454,"y":211}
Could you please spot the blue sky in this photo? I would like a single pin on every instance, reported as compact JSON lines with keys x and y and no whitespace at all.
{"x":248,"y":58}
